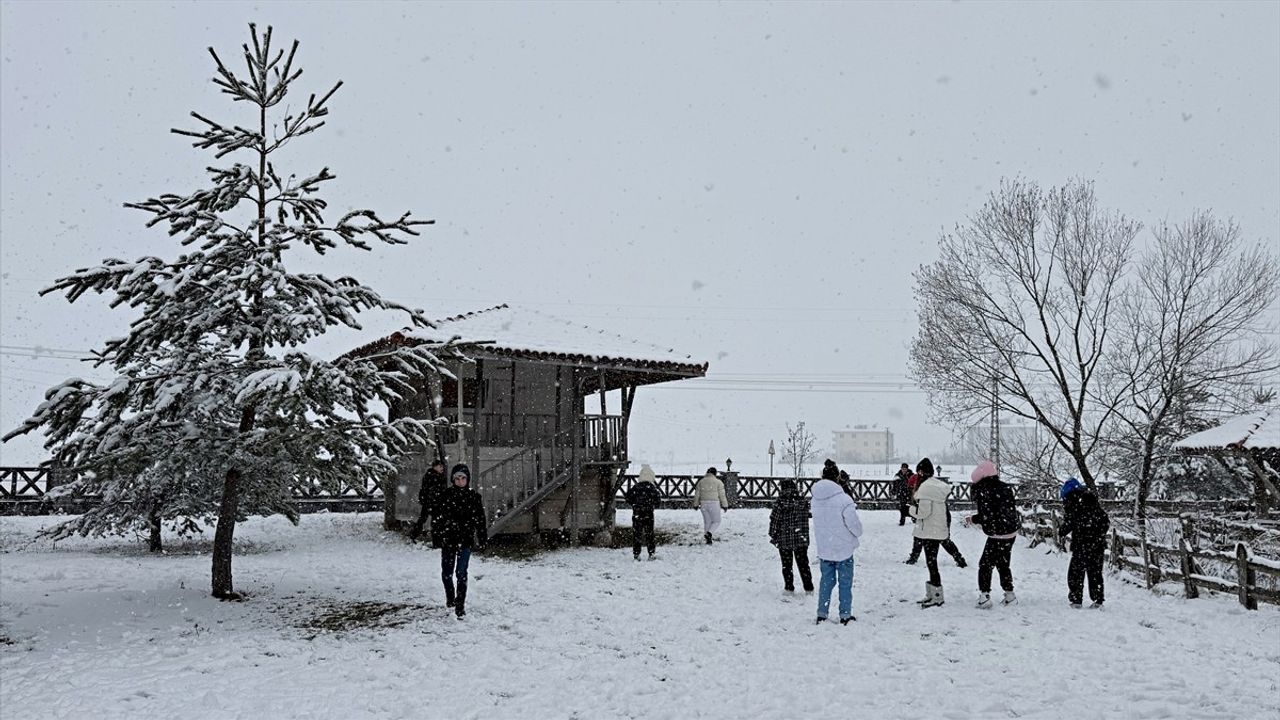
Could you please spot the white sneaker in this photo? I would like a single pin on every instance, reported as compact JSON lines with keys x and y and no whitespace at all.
{"x":984,"y":601}
{"x":1009,"y":599}
{"x":1076,"y":606}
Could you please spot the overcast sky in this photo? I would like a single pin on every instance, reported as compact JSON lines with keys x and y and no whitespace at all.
{"x":750,"y":183}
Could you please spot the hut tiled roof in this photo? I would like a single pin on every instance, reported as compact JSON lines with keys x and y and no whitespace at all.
{"x":1258,"y":430}
{"x":531,"y":334}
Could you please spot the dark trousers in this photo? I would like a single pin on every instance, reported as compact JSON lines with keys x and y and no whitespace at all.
{"x":800,"y":556}
{"x":642,"y":530}
{"x":904,"y":512}
{"x":453,"y":563}
{"x":931,"y":560}
{"x":995,"y":554}
{"x":950,"y":547}
{"x":1085,"y":560}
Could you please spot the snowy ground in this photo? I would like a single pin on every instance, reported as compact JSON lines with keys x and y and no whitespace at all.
{"x":704,"y":632}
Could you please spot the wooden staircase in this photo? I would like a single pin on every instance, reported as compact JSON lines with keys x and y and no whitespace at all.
{"x":523,"y":480}
{"x":520,"y":482}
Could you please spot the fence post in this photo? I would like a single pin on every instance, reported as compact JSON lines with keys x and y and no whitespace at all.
{"x":1245,"y":577}
{"x":1188,"y":559}
{"x":1117,"y":549}
{"x":1147,"y":575}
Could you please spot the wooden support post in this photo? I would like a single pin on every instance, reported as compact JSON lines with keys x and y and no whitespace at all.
{"x":1185,"y":550}
{"x":475,"y":424}
{"x":1245,"y":578}
{"x":1117,"y":550}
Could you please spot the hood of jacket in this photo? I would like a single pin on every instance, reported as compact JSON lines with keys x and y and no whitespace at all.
{"x":825,"y":490}
{"x":647,"y":475}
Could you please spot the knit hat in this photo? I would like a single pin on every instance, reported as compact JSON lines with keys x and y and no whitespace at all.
{"x":460,"y":468}
{"x":985,"y":469}
{"x":1070,"y":486}
{"x":924,"y":468}
{"x":830,"y":471}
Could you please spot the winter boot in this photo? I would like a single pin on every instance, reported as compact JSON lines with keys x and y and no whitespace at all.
{"x":928,"y":593}
{"x":1096,"y":606}
{"x":636,"y":555}
{"x":448,"y":595}
{"x":935,"y":597}
{"x":707,"y":536}
{"x":911,"y":559}
{"x":652,"y":556}
{"x":960,"y":563}
{"x":984,"y":601}
{"x":1009,"y":598}
{"x":460,"y":606}
{"x":1076,"y":606}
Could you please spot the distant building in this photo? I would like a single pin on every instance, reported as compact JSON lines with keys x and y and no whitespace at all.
{"x":863,"y":444}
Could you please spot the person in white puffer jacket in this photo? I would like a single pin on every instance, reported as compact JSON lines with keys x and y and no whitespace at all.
{"x":931,"y":529}
{"x":836,"y":529}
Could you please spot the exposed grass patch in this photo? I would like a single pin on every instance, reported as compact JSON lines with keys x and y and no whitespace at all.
{"x":363,"y":615}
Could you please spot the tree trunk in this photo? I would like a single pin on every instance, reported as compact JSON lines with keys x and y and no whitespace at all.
{"x":153,"y":523}
{"x":227,"y":510}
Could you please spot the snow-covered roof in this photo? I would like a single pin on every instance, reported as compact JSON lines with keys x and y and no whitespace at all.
{"x":1258,"y":430}
{"x":531,"y":334}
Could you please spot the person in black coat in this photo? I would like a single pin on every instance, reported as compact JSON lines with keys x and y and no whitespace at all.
{"x":644,"y":498}
{"x":434,"y":482}
{"x":997,"y":515}
{"x":1084,"y":520}
{"x":458,"y":524}
{"x":899,"y":491}
{"x":789,"y":532}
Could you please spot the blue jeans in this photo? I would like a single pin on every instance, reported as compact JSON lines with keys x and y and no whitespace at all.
{"x":834,"y":571}
{"x":453,"y":562}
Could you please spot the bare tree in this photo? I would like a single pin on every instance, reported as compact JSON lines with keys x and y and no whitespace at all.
{"x":1021,"y":303}
{"x":799,"y":448}
{"x":1191,"y":346}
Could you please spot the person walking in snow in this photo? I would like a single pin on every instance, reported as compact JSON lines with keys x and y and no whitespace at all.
{"x":836,"y":529}
{"x":1084,"y":520}
{"x":643,"y":497}
{"x":902,"y":493}
{"x":458,"y":525}
{"x":930,"y":513}
{"x":924,"y":471}
{"x":709,"y":497}
{"x":434,"y":482}
{"x":789,"y":532}
{"x":997,"y":515}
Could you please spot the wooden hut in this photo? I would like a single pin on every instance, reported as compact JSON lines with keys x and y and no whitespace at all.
{"x":525,"y":415}
{"x":1252,"y":437}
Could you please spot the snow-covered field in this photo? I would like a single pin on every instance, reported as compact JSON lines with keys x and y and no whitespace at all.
{"x":98,"y":628}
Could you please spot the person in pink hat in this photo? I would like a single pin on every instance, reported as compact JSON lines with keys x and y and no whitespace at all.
{"x":997,"y":515}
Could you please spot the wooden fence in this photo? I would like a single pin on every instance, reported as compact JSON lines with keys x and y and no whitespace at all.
{"x":26,"y":491}
{"x":1185,"y":560}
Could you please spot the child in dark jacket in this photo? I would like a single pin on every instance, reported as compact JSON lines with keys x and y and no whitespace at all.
{"x":997,"y":515}
{"x":789,"y":532}
{"x":1084,"y":520}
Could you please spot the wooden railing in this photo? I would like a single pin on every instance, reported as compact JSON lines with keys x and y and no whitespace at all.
{"x":1187,"y":562}
{"x":1184,"y":559}
{"x":602,"y":438}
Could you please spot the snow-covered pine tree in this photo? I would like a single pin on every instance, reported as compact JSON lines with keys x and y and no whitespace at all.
{"x":217,"y":409}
